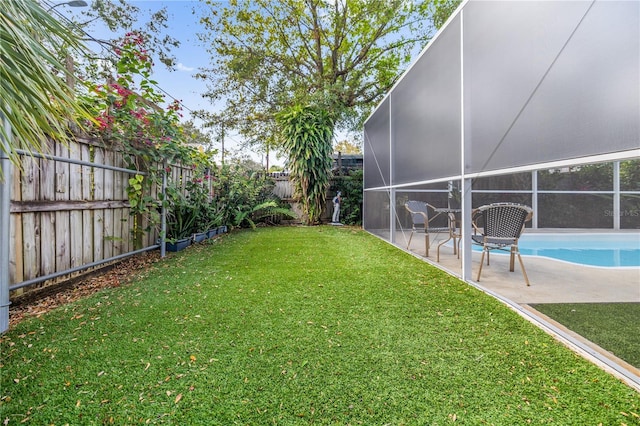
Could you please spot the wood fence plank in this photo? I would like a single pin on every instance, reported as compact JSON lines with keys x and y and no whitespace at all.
{"x":118,"y":183}
{"x":127,"y":227}
{"x":98,"y":215}
{"x":108,"y":213}
{"x":66,"y":215}
{"x":87,"y":215}
{"x":53,"y":206}
{"x":63,"y":226}
{"x":30,"y":190}
{"x":47,"y":219}
{"x":75,"y":194}
{"x":16,"y":255}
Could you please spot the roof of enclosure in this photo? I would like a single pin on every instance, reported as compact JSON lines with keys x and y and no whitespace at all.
{"x":509,"y":84}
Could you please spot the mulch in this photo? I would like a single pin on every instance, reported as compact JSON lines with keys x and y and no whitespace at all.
{"x":37,"y":302}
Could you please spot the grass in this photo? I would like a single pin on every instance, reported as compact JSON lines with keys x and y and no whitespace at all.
{"x":288,"y":326}
{"x":614,"y":326}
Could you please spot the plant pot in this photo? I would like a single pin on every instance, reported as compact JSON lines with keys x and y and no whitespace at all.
{"x":212,"y":232}
{"x":222,"y":229}
{"x":178,"y":245}
{"x":199,"y":237}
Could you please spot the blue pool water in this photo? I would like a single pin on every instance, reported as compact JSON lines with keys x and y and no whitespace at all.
{"x":604,"y":250}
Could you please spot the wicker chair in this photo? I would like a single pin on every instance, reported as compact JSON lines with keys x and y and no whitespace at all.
{"x":420,"y":222}
{"x":502,"y":225}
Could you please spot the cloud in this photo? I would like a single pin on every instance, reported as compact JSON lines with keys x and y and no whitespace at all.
{"x":182,"y":67}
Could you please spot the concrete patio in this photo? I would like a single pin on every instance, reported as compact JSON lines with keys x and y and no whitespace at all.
{"x":551,"y":281}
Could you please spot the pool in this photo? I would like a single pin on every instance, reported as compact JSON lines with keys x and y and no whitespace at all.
{"x":593,"y":249}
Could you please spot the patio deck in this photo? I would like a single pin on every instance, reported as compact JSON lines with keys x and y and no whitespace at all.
{"x":551,"y":281}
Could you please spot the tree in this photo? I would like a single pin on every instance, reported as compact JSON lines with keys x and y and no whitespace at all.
{"x":340,"y":55}
{"x":347,"y":147}
{"x":34,"y":99}
{"x":442,"y":9}
{"x":307,"y":133}
{"x":196,"y":136}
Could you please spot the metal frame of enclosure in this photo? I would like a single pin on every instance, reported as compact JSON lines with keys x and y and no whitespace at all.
{"x":507,"y":96}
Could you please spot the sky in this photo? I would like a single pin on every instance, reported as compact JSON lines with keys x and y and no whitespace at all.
{"x":180,"y":84}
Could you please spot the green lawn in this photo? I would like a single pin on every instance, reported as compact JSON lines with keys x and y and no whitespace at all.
{"x":613,"y":326}
{"x":320,"y":325}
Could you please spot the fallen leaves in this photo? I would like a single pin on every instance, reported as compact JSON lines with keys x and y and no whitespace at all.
{"x":31,"y":305}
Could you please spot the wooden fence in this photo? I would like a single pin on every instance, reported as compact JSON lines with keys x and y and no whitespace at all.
{"x":64,"y":215}
{"x":69,"y":212}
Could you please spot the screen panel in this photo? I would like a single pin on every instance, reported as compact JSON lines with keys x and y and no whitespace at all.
{"x":547,"y":81}
{"x":377,"y":213}
{"x":376,"y":148}
{"x":426,"y":113}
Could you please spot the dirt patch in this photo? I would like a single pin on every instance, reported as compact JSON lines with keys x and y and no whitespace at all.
{"x":43,"y":300}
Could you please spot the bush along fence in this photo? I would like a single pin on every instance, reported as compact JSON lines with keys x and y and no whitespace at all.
{"x":79,"y":206}
{"x":72,"y":210}
{"x":83,"y":207}
{"x":108,"y":193}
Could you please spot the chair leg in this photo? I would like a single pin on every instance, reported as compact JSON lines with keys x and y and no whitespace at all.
{"x":512,"y":258}
{"x":426,"y":243}
{"x":410,"y":237}
{"x":524,"y":272}
{"x":481,"y":263}
{"x":441,"y":244}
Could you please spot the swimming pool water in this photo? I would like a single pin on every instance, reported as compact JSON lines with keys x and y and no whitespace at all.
{"x":605,"y":250}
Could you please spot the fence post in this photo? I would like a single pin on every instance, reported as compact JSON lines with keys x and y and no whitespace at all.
{"x":163,"y":214}
{"x":5,"y":217}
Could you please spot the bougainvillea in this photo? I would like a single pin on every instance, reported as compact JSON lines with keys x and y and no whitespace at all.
{"x":129,"y":116}
{"x":129,"y":112}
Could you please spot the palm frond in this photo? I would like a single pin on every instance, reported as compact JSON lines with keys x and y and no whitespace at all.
{"x":34,"y":98}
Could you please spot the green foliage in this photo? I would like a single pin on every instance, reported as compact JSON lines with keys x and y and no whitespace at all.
{"x":183,"y":211}
{"x":241,"y":195}
{"x":35,"y":100}
{"x":119,"y":16}
{"x":298,"y":325}
{"x":307,"y":133}
{"x":630,"y":175}
{"x":442,"y":9}
{"x":348,"y":147}
{"x":342,"y":55}
{"x":129,"y":119}
{"x":351,"y":187}
{"x":262,"y":210}
{"x":128,"y":114}
{"x":181,"y":220}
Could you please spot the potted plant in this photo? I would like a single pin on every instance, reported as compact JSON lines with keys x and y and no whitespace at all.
{"x":212,"y":232}
{"x":213,"y":219}
{"x":203,"y":212}
{"x":181,"y":219}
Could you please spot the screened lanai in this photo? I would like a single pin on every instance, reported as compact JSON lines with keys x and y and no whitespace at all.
{"x":530,"y":102}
